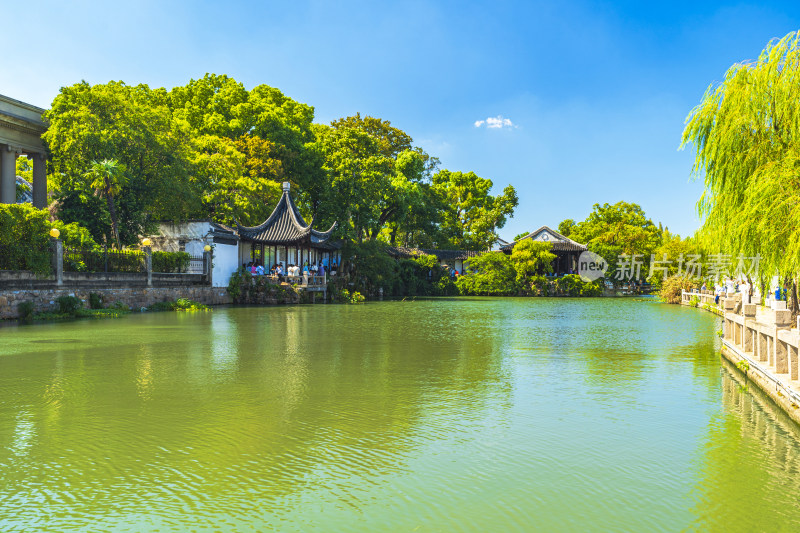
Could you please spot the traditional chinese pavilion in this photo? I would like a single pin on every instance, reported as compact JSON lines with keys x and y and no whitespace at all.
{"x":566,"y":250}
{"x":286,"y":238}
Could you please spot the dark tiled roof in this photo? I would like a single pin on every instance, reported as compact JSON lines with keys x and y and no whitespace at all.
{"x":563,"y":244}
{"x":285,"y":225}
{"x":442,"y":255}
{"x":567,"y":247}
{"x":222,"y":228}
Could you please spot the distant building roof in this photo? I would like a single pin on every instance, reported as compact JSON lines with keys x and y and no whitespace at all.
{"x":285,"y":226}
{"x":441,"y":255}
{"x":546,"y":234}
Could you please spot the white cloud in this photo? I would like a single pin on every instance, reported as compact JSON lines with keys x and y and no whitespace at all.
{"x":497,"y":122}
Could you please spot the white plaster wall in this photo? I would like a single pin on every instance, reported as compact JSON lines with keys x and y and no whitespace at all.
{"x":226,"y":262}
{"x":194,"y":233}
{"x":195,"y":248}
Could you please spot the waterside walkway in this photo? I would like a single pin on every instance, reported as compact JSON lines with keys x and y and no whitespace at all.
{"x":762,"y":341}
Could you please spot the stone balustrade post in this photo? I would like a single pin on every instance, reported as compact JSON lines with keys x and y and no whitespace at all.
{"x":763,"y":346}
{"x":728,"y":324}
{"x":208,"y":265}
{"x":783,"y":319}
{"x":57,"y":259}
{"x":749,"y":312}
{"x":148,"y":265}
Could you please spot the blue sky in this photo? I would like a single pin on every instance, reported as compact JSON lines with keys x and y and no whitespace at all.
{"x":592,"y":95}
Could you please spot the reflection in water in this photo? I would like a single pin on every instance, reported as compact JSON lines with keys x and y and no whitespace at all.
{"x":502,"y":414}
{"x":224,"y":345}
{"x":749,"y":430}
{"x":24,"y":432}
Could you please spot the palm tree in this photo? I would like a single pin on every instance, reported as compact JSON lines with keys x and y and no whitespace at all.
{"x":108,"y":177}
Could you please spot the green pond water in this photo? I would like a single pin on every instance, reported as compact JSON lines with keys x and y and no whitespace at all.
{"x":435,"y":415}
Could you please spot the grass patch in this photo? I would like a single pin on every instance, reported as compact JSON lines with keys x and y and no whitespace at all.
{"x":181,"y":304}
{"x":81,"y":313}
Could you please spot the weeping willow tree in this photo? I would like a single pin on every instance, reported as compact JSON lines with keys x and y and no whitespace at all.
{"x":746,"y":132}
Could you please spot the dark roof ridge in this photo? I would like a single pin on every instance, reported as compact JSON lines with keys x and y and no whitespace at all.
{"x":551,"y":230}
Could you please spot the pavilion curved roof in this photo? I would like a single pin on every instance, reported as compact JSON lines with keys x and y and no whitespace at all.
{"x":285,"y":225}
{"x":546,"y":234}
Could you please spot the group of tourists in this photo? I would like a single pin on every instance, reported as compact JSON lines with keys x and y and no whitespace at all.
{"x":453,"y":272}
{"x":277,"y":270}
{"x":730,"y":285}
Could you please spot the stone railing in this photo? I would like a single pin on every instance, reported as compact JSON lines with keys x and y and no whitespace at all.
{"x":764,"y":336}
{"x":303,"y":281}
{"x":61,"y":278}
{"x":703,"y":297}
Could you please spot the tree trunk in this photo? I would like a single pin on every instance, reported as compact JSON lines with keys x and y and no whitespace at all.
{"x":113,"y":211}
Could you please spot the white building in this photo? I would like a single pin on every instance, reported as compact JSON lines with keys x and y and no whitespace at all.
{"x":192,"y":237}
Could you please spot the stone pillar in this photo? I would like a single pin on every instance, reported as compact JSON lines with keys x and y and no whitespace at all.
{"x":148,"y":265}
{"x":208,"y":265}
{"x":792,"y":362}
{"x":763,"y":347}
{"x":58,"y":260}
{"x":749,"y":311}
{"x":783,"y":319}
{"x":39,"y":181}
{"x":771,"y":348}
{"x":781,"y":357}
{"x":8,"y":174}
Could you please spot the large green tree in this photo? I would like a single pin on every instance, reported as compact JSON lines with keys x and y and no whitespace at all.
{"x":746,"y":134}
{"x":207,"y":149}
{"x":614,"y":229}
{"x":531,"y":258}
{"x":489,"y":274}
{"x":213,"y":149}
{"x":107,"y":177}
{"x":358,"y":174}
{"x":131,"y":125}
{"x":472,"y":215}
{"x":377,"y":181}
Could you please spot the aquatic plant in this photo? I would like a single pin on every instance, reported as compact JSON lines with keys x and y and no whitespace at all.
{"x":25,"y":310}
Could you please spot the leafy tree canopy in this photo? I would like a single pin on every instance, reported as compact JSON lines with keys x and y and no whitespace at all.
{"x":566,"y":226}
{"x":531,"y":258}
{"x":492,"y":273}
{"x":622,"y":226}
{"x":472,"y":216}
{"x":213,"y":149}
{"x":746,"y":133}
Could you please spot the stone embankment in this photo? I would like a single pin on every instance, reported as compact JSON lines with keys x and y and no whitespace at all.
{"x":762,"y":341}
{"x":135,"y":298}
